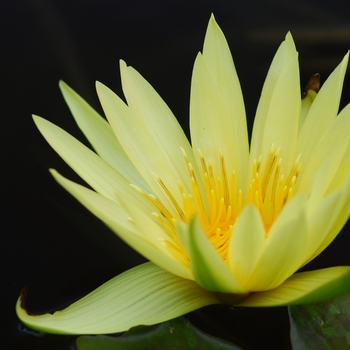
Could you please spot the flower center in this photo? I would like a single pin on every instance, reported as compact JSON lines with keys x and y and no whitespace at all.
{"x":219,"y":202}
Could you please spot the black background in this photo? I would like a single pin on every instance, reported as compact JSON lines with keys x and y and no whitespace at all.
{"x":51,"y":244}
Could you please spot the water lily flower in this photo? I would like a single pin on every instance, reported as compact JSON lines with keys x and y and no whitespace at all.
{"x":219,"y":222}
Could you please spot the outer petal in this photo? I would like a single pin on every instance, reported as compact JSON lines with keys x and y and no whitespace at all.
{"x":141,"y":148}
{"x":323,"y":110}
{"x":331,"y":148}
{"x":208,"y":269}
{"x":115,"y":217}
{"x":218,"y":59}
{"x":247,"y":243}
{"x":283,"y":251}
{"x":100,"y":135}
{"x":304,"y":288}
{"x":278,"y":113}
{"x":143,"y":295}
{"x":88,"y":165}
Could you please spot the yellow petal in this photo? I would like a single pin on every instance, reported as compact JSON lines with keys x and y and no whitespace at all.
{"x":210,"y":122}
{"x":101,"y":176}
{"x":340,"y":216}
{"x":208,"y":269}
{"x":100,"y":135}
{"x":144,"y":295}
{"x":306,"y":103}
{"x":247,"y":243}
{"x":304,"y":288}
{"x":278,"y":113}
{"x":342,"y":172}
{"x":142,"y":149}
{"x":322,"y":112}
{"x":283,"y":251}
{"x":166,"y":241}
{"x":321,"y":222}
{"x":115,"y":217}
{"x":157,"y":122}
{"x":218,"y":59}
{"x":331,"y":149}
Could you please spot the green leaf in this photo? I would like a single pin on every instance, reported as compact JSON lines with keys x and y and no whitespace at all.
{"x":175,"y":334}
{"x":324,"y":325}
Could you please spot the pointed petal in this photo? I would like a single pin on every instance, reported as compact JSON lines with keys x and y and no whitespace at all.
{"x":143,"y":295}
{"x":218,"y":59}
{"x":322,"y":112}
{"x":247,"y":243}
{"x":101,"y":176}
{"x":278,"y":113}
{"x":304,"y":288}
{"x":116,"y":218}
{"x":208,"y":269}
{"x":141,"y":148}
{"x":210,"y":123}
{"x":100,"y":135}
{"x":157,"y":121}
{"x":283,"y":251}
{"x":330,"y":148}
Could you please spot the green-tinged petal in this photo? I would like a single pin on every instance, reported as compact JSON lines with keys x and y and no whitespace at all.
{"x":304,"y":288}
{"x":322,"y":112}
{"x":141,"y":148}
{"x":246,"y":244}
{"x":218,"y":58}
{"x":283,"y":250}
{"x":208,"y":269}
{"x":210,"y":122}
{"x":100,"y":135}
{"x":101,"y":176}
{"x":157,"y":121}
{"x":330,"y":148}
{"x":143,"y":295}
{"x":278,"y":113}
{"x":116,"y":218}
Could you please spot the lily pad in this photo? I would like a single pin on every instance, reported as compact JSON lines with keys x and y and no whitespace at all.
{"x":176,"y":334}
{"x":323,"y":325}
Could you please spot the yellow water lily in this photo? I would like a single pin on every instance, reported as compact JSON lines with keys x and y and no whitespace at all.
{"x":220,"y":222}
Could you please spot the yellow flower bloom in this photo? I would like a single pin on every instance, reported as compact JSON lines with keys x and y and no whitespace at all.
{"x":219,"y":222}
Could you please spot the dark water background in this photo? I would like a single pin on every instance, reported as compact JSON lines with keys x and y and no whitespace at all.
{"x":50,"y":243}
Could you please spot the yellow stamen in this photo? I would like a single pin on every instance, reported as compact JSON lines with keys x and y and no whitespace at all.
{"x":218,"y":202}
